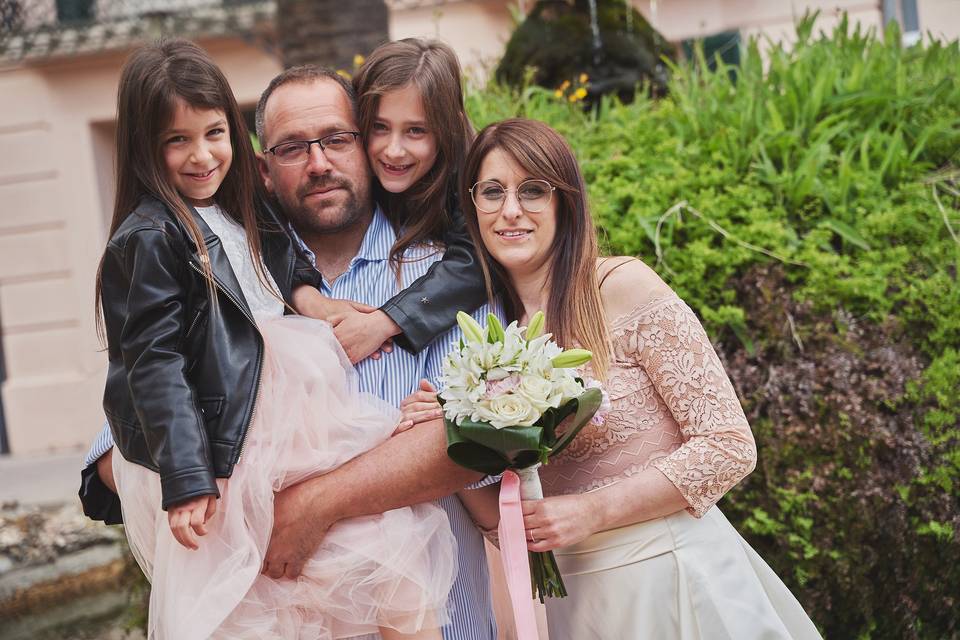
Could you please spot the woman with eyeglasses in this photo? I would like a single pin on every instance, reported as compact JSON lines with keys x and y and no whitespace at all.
{"x":630,"y":505}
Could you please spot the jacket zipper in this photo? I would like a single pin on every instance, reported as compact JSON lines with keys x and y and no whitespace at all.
{"x":240,"y":307}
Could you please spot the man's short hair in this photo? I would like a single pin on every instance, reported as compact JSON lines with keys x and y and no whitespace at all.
{"x":302,"y":74}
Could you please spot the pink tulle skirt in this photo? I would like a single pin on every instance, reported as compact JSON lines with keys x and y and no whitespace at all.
{"x":392,"y":570}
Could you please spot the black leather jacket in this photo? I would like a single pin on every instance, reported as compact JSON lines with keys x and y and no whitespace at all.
{"x":183,"y":379}
{"x":429,"y":306}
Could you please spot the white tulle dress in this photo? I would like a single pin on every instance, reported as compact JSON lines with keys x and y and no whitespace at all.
{"x":392,"y":570}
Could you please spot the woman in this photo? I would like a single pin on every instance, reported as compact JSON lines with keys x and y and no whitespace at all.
{"x":629,"y":507}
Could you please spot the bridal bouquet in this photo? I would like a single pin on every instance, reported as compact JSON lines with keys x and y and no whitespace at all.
{"x":505,"y":392}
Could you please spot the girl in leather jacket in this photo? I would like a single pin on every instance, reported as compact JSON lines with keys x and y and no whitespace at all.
{"x":417,"y":132}
{"x":216,"y":399}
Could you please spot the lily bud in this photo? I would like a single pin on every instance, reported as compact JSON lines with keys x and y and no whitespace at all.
{"x":495,"y":331}
{"x":536,"y":326}
{"x":572,"y":358}
{"x":470,"y":327}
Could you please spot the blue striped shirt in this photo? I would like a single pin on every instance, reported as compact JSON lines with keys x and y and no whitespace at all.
{"x":370,"y":279}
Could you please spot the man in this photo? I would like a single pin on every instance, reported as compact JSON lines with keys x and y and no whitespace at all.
{"x":326,"y":196}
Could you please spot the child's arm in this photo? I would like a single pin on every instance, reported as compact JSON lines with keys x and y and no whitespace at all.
{"x":429,"y":306}
{"x":308,"y":301}
{"x":146,"y":280}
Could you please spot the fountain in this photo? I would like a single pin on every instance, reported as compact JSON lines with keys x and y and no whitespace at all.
{"x":607,"y":40}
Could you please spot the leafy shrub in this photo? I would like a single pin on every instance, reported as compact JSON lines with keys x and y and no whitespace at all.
{"x":806,"y":204}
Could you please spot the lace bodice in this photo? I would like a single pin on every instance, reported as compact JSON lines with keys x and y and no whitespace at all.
{"x":263,"y":304}
{"x":673,"y":407}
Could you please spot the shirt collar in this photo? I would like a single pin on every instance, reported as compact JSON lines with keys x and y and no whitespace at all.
{"x":376,"y":244}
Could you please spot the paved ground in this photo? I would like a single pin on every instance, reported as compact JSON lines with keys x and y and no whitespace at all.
{"x":40,"y":479}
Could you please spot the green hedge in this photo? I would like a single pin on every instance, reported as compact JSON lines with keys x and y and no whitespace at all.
{"x":806,"y":205}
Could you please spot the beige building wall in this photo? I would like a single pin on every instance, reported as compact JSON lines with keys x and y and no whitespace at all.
{"x":56,"y":186}
{"x":680,"y":20}
{"x":940,"y":17}
{"x":478,"y":31}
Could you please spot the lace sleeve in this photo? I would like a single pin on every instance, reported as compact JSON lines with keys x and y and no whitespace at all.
{"x":667,"y":340}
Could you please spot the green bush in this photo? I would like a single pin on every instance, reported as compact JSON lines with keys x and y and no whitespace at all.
{"x":807,"y":206}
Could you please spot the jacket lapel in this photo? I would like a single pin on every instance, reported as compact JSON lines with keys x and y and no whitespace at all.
{"x":276,"y":247}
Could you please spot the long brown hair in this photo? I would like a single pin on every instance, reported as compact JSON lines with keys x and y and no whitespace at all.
{"x":154,"y":78}
{"x":421,"y":213}
{"x":574,"y":310}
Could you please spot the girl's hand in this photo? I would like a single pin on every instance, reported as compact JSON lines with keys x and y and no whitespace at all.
{"x":363,"y":334}
{"x":419,"y":406}
{"x":559,"y":521}
{"x":189,"y":518}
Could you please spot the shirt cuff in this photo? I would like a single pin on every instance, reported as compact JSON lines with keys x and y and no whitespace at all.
{"x":484,"y":482}
{"x":100,"y":446}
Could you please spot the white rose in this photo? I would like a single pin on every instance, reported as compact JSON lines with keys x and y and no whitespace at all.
{"x":539,"y":392}
{"x":512,"y":410}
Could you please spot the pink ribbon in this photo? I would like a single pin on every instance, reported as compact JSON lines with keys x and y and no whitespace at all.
{"x":513,"y":552}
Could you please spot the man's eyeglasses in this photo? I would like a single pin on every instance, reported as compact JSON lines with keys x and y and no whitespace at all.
{"x":533,"y":195}
{"x":298,"y":151}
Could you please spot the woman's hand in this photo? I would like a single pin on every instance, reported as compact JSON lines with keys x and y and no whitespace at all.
{"x":419,"y":406}
{"x":189,"y":518}
{"x":559,"y":521}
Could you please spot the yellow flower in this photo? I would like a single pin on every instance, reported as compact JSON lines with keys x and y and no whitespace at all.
{"x":572,"y":98}
{"x":565,"y":85}
{"x":358,"y":60}
{"x":581,"y":93}
{"x":558,"y":93}
{"x":583,"y":78}
{"x":344,"y":74}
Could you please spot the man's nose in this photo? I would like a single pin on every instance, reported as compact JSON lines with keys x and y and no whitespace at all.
{"x":317,"y":161}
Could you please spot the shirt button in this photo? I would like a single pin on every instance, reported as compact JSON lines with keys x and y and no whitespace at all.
{"x":424,"y":300}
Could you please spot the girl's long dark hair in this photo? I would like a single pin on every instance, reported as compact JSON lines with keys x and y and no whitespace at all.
{"x":154,"y":78}
{"x":574,"y":310}
{"x":423,"y":212}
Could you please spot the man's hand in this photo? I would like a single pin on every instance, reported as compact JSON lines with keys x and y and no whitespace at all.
{"x":419,"y":406}
{"x":189,"y":519}
{"x":299,"y":525}
{"x":363,"y":334}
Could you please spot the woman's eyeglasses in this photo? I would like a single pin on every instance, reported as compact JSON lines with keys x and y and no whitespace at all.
{"x":533,"y":195}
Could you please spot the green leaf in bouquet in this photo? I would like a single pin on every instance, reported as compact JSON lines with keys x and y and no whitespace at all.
{"x":587,"y":404}
{"x":509,"y":441}
{"x":472,"y":455}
